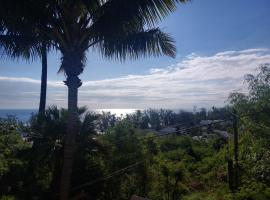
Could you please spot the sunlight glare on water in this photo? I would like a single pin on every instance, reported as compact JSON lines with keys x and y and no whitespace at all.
{"x":117,"y":112}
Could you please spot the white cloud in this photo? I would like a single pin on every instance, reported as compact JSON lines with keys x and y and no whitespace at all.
{"x":19,"y":79}
{"x":196,"y":80}
{"x":30,"y":80}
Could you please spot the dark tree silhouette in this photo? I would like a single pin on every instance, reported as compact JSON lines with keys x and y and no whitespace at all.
{"x":18,"y":40}
{"x":119,"y":29}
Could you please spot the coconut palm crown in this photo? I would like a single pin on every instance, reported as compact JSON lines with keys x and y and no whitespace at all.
{"x":118,"y":29}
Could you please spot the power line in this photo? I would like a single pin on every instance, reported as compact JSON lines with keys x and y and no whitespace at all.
{"x":185,"y":129}
{"x":261,"y":126}
{"x":130,"y":167}
{"x":203,"y":125}
{"x":122,"y":140}
{"x":190,"y":128}
{"x":123,"y":170}
{"x":255,"y":123}
{"x":108,"y":176}
{"x":165,"y":134}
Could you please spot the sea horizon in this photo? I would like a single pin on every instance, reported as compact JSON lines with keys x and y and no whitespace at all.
{"x":24,"y":114}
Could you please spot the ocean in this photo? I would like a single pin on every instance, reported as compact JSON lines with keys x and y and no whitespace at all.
{"x":24,"y":115}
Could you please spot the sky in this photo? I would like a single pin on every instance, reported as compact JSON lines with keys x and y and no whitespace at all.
{"x":218,"y":42}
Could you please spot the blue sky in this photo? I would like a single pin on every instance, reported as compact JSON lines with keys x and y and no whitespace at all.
{"x":203,"y":30}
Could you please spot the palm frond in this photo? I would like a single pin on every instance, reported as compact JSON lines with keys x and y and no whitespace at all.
{"x":93,"y":5}
{"x":148,"y":11}
{"x":118,"y":28}
{"x":15,"y":46}
{"x":153,"y":42}
{"x":19,"y":29}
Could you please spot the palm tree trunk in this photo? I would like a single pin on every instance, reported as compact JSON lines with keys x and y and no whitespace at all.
{"x":43,"y":89}
{"x":73,"y":83}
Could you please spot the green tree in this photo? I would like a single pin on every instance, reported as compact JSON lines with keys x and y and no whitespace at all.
{"x":12,"y":157}
{"x":254,"y":151}
{"x":118,"y":29}
{"x":47,"y":132}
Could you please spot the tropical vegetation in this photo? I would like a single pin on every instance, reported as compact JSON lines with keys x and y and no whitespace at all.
{"x":118,"y":29}
{"x":117,"y":157}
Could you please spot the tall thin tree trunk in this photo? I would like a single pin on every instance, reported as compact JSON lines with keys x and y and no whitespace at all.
{"x":43,"y":89}
{"x":73,"y":83}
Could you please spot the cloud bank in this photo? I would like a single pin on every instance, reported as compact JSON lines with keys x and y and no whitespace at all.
{"x":197,"y":80}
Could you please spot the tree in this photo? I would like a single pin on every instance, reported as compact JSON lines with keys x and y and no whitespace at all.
{"x":43,"y":55}
{"x":43,"y":86}
{"x":25,"y":44}
{"x":254,"y":153}
{"x":119,"y":29}
{"x":257,"y":99}
{"x":12,"y":159}
{"x":47,"y":132}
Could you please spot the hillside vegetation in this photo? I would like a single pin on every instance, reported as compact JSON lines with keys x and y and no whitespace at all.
{"x":118,"y":157}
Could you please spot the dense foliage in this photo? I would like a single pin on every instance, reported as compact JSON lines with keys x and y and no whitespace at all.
{"x":121,"y":156}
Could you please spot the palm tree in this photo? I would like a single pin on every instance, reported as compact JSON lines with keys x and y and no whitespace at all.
{"x":9,"y":47}
{"x":47,"y":132}
{"x":119,"y":29}
{"x":43,"y":86}
{"x":23,"y":44}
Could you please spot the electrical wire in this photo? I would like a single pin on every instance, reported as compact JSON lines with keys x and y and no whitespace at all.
{"x":130,"y":167}
{"x":108,"y":176}
{"x":254,"y":123}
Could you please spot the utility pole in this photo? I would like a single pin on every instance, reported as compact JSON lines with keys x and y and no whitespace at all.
{"x":230,"y":174}
{"x":235,"y":140}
